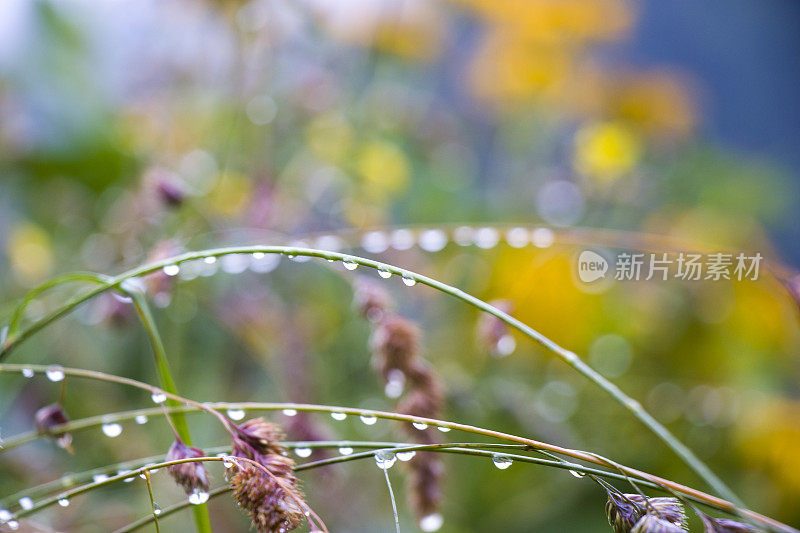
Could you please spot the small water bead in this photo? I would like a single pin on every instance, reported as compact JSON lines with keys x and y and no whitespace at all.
{"x":577,"y":474}
{"x":350,"y":264}
{"x":236,"y":414}
{"x":517,"y":237}
{"x":197,"y":497}
{"x":443,"y":429}
{"x":141,"y":419}
{"x":338,"y":416}
{"x":158,"y":397}
{"x":402,"y":239}
{"x":431,"y":522}
{"x":13,"y":525}
{"x":501,"y":461}
{"x":384,"y":272}
{"x":55,"y":374}
{"x":156,"y":509}
{"x":369,"y":419}
{"x":486,"y":238}
{"x":234,"y":263}
{"x":385,"y":459}
{"x":303,"y":452}
{"x":420,"y":425}
{"x":28,"y":372}
{"x":112,"y":429}
{"x":99,"y":478}
{"x":262,"y":263}
{"x":395,"y":383}
{"x":505,"y":346}
{"x":406,"y":456}
{"x":26,"y":503}
{"x":375,"y":242}
{"x":5,"y":515}
{"x":227,"y":462}
{"x":432,"y":240}
{"x":290,"y":412}
{"x":63,"y":502}
{"x":210,"y":260}
{"x":408,"y":280}
{"x":542,"y":237}
{"x":172,"y":270}
{"x":345,"y":450}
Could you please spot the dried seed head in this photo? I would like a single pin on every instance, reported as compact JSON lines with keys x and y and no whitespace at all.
{"x":49,"y":417}
{"x":371,"y":299}
{"x":256,"y":437}
{"x":395,"y":343}
{"x":170,"y":191}
{"x":191,"y":476}
{"x":424,"y":489}
{"x":624,"y":511}
{"x":270,"y":508}
{"x":419,"y":403}
{"x":723,"y":525}
{"x":651,"y":523}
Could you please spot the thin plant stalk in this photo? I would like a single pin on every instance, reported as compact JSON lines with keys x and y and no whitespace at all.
{"x":572,"y":359}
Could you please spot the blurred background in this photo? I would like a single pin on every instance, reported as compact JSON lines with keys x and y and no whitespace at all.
{"x":135,"y":129}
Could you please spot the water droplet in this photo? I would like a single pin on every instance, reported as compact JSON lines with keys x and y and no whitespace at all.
{"x":227,"y":462}
{"x":375,"y":242}
{"x":432,"y":240}
{"x":234,"y":263}
{"x":290,"y":412}
{"x":486,"y":238}
{"x":262,"y":263}
{"x":349,"y":264}
{"x":338,"y":416}
{"x":112,"y":429}
{"x":385,"y":459}
{"x":236,"y":414}
{"x":431,"y":522}
{"x":443,"y":429}
{"x":406,"y":456}
{"x":26,"y":503}
{"x":5,"y":515}
{"x":463,"y":236}
{"x":395,"y":383}
{"x":542,"y":237}
{"x":345,"y":450}
{"x":369,"y":419}
{"x":13,"y":525}
{"x":384,"y":272}
{"x":210,"y":260}
{"x":409,"y":281}
{"x":505,"y":346}
{"x":517,"y":237}
{"x":402,"y":239}
{"x":303,"y":452}
{"x":577,"y":474}
{"x":172,"y":270}
{"x":420,"y":425}
{"x":158,"y":397}
{"x":141,"y":419}
{"x":123,"y":473}
{"x":55,"y":373}
{"x":63,"y":502}
{"x":98,"y":478}
{"x":501,"y":461}
{"x":28,"y":372}
{"x":197,"y":497}
{"x":156,"y":509}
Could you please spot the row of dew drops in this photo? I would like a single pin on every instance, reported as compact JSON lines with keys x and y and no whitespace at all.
{"x":375,"y":242}
{"x":384,"y":459}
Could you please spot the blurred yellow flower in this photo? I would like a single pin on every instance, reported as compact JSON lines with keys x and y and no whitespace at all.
{"x":329,"y":136}
{"x":230,"y":195}
{"x":30,"y":253}
{"x":606,"y":151}
{"x":384,"y":168}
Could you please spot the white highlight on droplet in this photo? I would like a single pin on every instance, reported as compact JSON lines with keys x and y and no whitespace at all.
{"x":171,"y":270}
{"x":158,"y":397}
{"x":236,"y":414}
{"x":408,"y":280}
{"x":63,"y":502}
{"x":345,"y":450}
{"x":406,"y":456}
{"x":432,"y":240}
{"x":502,"y":461}
{"x":422,"y":426}
{"x":141,"y":419}
{"x":55,"y":373}
{"x":385,"y":459}
{"x":290,"y":412}
{"x":112,"y":429}
{"x":431,"y":522}
{"x":197,"y":497}
{"x":369,"y":419}
{"x":302,"y":452}
{"x":26,"y":503}
{"x":28,"y":372}
{"x":338,"y":416}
